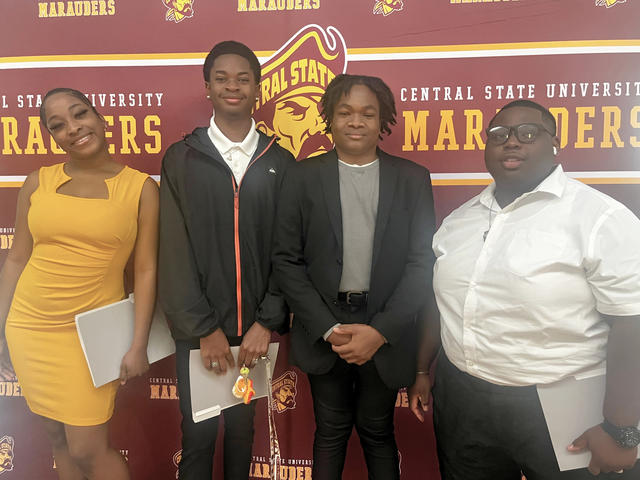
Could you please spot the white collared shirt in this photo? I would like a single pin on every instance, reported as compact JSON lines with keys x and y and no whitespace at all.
{"x":521,"y":307}
{"x":236,"y":154}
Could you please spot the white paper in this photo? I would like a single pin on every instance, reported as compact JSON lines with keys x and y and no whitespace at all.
{"x":106,"y":334}
{"x":211,"y":393}
{"x":571,"y":407}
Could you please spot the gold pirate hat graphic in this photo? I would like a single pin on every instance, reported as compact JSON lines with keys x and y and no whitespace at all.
{"x":386,"y":7}
{"x":293,"y":80}
{"x":6,"y":454}
{"x":178,"y":10}
{"x":608,"y":3}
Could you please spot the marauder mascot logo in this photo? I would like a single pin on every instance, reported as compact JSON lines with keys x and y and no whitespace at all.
{"x":609,"y":3}
{"x":178,"y":10}
{"x":6,"y":454}
{"x":284,"y":391}
{"x":293,"y":80}
{"x":387,"y":7}
{"x":176,"y":460}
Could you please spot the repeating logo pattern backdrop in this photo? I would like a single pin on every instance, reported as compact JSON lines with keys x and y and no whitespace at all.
{"x":450,"y":65}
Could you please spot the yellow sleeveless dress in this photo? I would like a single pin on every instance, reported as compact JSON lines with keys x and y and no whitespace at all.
{"x":80,"y":249}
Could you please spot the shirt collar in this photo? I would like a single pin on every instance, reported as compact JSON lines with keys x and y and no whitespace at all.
{"x":223,"y":144}
{"x":554,"y":184}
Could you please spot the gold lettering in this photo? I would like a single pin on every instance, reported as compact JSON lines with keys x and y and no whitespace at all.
{"x":10,"y":134}
{"x":561,"y":114}
{"x":6,"y":241}
{"x":446,"y":132}
{"x":275,"y":84}
{"x":415,"y":128}
{"x":635,"y":123}
{"x":583,"y":127}
{"x":42,"y":9}
{"x":242,"y":5}
{"x":283,"y":79}
{"x":295,"y":78}
{"x":611,"y":125}
{"x":156,"y":146}
{"x":313,"y":72}
{"x":34,"y":138}
{"x":128,"y":124}
{"x":474,"y":130}
{"x":155,"y":392}
{"x":264,"y":87}
{"x":108,"y":119}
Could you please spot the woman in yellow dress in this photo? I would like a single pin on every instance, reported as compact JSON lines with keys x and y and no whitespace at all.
{"x":77,"y":224}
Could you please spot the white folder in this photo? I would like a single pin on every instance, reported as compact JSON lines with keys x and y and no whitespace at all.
{"x":571,"y":407}
{"x":106,"y":334}
{"x":211,"y":393}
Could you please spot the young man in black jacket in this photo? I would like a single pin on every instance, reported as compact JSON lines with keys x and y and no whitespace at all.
{"x":353,"y":258}
{"x":218,"y":197}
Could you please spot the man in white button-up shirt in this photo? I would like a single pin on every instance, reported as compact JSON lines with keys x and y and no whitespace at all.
{"x":537,"y":278}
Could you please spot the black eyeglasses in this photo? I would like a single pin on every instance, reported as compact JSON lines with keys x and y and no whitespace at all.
{"x":525,"y":133}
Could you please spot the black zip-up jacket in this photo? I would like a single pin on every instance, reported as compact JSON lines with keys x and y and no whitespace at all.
{"x":208,"y":227}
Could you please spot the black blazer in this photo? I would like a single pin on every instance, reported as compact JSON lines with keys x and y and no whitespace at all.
{"x":308,"y":261}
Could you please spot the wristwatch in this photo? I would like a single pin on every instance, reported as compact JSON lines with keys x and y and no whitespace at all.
{"x":625,"y":437}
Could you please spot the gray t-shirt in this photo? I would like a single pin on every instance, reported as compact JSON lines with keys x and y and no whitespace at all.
{"x":359,"y":188}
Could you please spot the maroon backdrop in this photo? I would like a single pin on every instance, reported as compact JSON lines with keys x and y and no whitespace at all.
{"x":450,"y":64}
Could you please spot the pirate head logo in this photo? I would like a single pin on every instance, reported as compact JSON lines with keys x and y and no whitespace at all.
{"x":293,"y":81}
{"x":6,"y":454}
{"x":178,"y":10}
{"x":284,"y":391}
{"x":176,"y":460}
{"x":387,"y":7}
{"x":608,"y":3}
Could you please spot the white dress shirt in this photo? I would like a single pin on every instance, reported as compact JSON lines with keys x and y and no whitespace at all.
{"x":236,"y":154}
{"x":521,"y":307}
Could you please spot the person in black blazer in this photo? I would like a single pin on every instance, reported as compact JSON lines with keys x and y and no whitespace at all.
{"x":352,"y":255}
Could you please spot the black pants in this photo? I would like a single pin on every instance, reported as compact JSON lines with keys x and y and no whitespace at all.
{"x":491,"y":432}
{"x":199,"y":439}
{"x":348,"y":396}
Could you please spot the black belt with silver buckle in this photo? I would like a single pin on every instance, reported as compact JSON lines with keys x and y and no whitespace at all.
{"x":353,"y":298}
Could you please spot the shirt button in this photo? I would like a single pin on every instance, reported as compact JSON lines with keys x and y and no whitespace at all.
{"x":469,"y":363}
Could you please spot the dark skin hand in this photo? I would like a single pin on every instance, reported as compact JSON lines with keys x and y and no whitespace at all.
{"x":255,"y":344}
{"x":364,"y":343}
{"x":606,"y":455}
{"x":622,"y":399}
{"x":215,"y":348}
{"x":338,"y":339}
{"x":419,"y":392}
